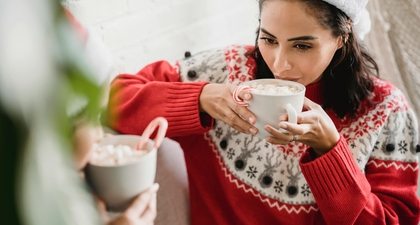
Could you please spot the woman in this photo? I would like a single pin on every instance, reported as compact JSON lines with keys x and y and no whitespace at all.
{"x":351,"y":158}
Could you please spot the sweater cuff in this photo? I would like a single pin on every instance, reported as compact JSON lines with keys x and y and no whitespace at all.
{"x":183,"y":113}
{"x":332,"y":172}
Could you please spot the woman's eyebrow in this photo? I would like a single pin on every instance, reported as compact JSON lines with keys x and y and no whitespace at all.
{"x":266,"y":32}
{"x":302,"y":38}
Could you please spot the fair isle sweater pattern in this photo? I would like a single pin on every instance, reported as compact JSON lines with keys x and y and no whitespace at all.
{"x":383,"y":135}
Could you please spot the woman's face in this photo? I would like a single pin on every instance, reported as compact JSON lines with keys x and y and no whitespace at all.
{"x":293,"y":44}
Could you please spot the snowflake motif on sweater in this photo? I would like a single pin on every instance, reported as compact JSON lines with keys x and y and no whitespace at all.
{"x":383,"y":134}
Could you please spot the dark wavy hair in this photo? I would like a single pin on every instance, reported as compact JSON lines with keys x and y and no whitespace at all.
{"x":347,"y":81}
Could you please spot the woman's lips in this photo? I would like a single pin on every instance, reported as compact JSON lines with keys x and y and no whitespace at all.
{"x":287,"y":78}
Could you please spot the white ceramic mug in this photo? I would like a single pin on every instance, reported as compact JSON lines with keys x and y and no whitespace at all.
{"x":268,"y":108}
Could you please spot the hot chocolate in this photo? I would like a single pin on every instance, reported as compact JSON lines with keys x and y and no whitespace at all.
{"x":112,"y":155}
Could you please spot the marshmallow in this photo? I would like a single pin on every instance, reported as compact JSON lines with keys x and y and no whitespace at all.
{"x":110,"y":155}
{"x":272,"y":89}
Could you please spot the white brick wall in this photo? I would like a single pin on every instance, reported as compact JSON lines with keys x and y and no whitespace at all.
{"x":139,"y":32}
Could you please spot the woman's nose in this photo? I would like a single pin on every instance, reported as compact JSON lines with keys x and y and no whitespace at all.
{"x":282,"y":62}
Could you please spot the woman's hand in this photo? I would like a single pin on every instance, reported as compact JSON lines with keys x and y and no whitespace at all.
{"x":85,"y":135}
{"x":217,"y":101}
{"x":142,"y":210}
{"x":315,"y":128}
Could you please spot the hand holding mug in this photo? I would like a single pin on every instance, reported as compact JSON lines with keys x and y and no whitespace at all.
{"x":270,"y":99}
{"x":142,"y":210}
{"x":314,"y":128}
{"x":217,"y":101}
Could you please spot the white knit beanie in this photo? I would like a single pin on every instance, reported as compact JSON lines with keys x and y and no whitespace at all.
{"x":362,"y":28}
{"x":352,"y":8}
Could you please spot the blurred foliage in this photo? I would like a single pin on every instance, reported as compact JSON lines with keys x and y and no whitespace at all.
{"x":13,"y":134}
{"x":74,"y":81}
{"x":77,"y":81}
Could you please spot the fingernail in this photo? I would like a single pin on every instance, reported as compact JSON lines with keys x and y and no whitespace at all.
{"x":282,"y":125}
{"x":251,"y":120}
{"x":252,"y":130}
{"x":246,"y":96}
{"x":267,"y":129}
{"x":155,"y":187}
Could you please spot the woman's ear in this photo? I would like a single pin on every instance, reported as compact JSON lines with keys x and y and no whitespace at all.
{"x":342,"y":40}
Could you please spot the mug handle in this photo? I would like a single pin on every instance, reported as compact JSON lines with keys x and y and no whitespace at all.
{"x":163,"y":126}
{"x":292,"y":116}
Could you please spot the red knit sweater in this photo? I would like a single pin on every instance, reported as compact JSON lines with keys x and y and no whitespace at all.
{"x":369,"y":177}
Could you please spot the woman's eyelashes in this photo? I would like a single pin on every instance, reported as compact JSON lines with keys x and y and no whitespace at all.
{"x":300,"y":47}
{"x":269,"y":41}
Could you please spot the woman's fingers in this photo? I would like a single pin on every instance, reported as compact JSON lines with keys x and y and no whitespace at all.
{"x":314,"y":128}
{"x":235,"y":121}
{"x":241,"y":119}
{"x":237,"y":115}
{"x":245,"y":94}
{"x":240,"y":108}
{"x":101,"y":208}
{"x":310,"y":105}
{"x":301,"y":129}
{"x":141,"y":211}
{"x":217,"y":100}
{"x":139,"y":205}
{"x":277,"y":137}
{"x":150,"y":213}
